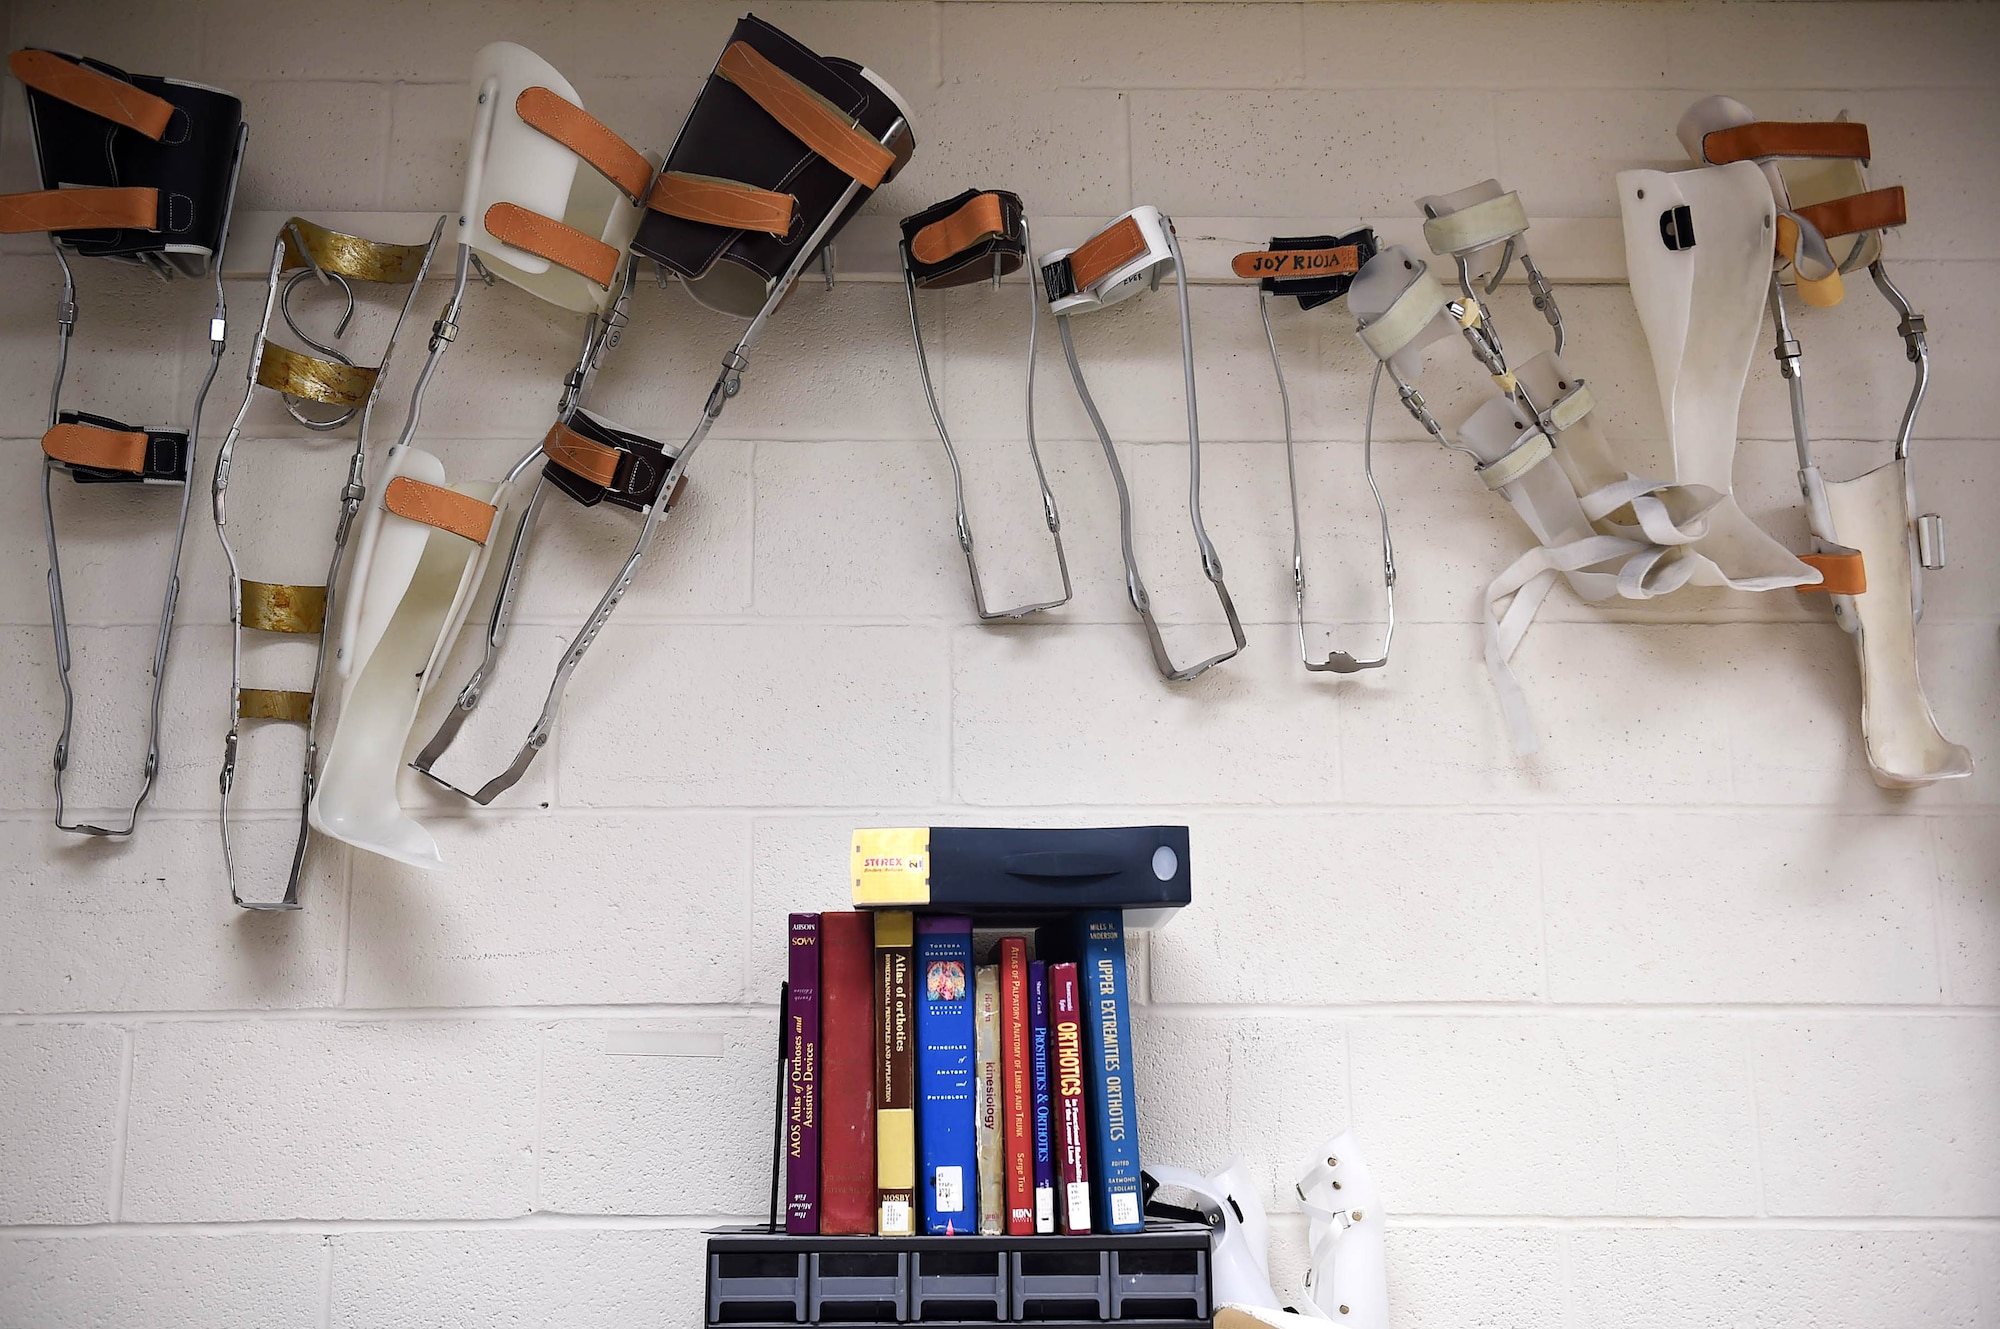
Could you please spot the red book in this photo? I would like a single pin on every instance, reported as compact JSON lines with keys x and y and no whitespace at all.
{"x":1016,"y":1093}
{"x":847,"y":1074}
{"x":1072,"y":1154}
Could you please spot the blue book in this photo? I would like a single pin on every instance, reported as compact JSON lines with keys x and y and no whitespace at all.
{"x":947,"y":1117}
{"x":1096,"y":941}
{"x":1038,"y":1053}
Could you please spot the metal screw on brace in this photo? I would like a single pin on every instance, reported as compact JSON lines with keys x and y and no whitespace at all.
{"x":826,"y":265}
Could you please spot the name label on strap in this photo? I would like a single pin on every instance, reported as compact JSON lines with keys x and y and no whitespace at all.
{"x":1297,"y":264}
{"x":1786,"y":138}
{"x":445,"y":509}
{"x":129,"y":208}
{"x":89,"y":90}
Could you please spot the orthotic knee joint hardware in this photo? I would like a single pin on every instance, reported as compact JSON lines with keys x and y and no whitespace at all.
{"x":140,"y":169}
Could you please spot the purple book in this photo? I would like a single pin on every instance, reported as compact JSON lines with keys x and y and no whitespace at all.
{"x":1038,"y":1044}
{"x":802,"y":1098}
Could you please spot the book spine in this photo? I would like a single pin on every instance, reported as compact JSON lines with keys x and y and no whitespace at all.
{"x":992,"y":1181}
{"x":1107,"y":1034}
{"x":1066,"y":1034}
{"x":802,"y":1102}
{"x":947,"y":1126}
{"x":1016,"y":1096}
{"x":1044,"y":1153}
{"x":847,"y":1081}
{"x":895,"y":1075}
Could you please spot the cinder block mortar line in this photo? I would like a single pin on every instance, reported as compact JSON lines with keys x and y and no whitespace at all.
{"x":115,"y":1202}
{"x":552,"y":1222}
{"x":1414,"y":1010}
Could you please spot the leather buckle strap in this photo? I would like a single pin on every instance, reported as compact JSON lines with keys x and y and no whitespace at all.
{"x":350,"y":256}
{"x":444,"y":509}
{"x":1106,"y":252}
{"x":129,"y":208}
{"x":809,"y":117}
{"x":97,"y":447}
{"x":1780,"y":138}
{"x":588,"y":137}
{"x":1870,"y":211}
{"x":273,"y":607}
{"x":93,"y":91}
{"x":717,"y":202}
{"x":586,"y":457}
{"x":1839,"y":573}
{"x":979,"y":219}
{"x":283,"y":369}
{"x":559,"y":243}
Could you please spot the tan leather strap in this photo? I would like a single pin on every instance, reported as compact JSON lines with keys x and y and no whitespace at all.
{"x":544,"y":237}
{"x":811,"y":118}
{"x":95,"y":446}
{"x":131,"y":208}
{"x":283,"y":369}
{"x":1822,"y":292}
{"x":272,"y":704}
{"x":270,"y":606}
{"x":1297,"y":264}
{"x":980,"y":220}
{"x":87,"y":89}
{"x":446,"y":509}
{"x":1840,"y":574}
{"x":585,"y":135}
{"x":585,"y":456}
{"x":1783,"y":138}
{"x":718,"y":202}
{"x":1106,"y":252}
{"x":1858,"y":212}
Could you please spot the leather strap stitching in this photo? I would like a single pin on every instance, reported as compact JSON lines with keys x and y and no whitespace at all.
{"x":809,"y":117}
{"x":97,"y":447}
{"x":1106,"y":252}
{"x":561,"y":244}
{"x":94,"y":91}
{"x":581,"y":456}
{"x":126,"y":208}
{"x":718,"y":202}
{"x":588,"y":137}
{"x":445,"y":509}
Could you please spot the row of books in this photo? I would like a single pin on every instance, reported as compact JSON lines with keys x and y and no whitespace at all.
{"x":926,"y":1092}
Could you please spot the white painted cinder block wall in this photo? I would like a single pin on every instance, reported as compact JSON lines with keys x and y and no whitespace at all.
{"x":1683,"y":1022}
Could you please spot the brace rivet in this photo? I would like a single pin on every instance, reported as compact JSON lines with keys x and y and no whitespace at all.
{"x":1357,"y":1215}
{"x":1343,"y":1310}
{"x":1331,"y":1161}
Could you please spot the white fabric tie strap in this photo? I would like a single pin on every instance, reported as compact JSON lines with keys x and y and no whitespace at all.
{"x":1531,"y":452}
{"x":1477,"y":226}
{"x":1398,"y":325}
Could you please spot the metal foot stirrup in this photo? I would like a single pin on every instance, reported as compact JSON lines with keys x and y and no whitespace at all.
{"x":317,"y":257}
{"x":954,"y":243}
{"x":140,"y":169}
{"x":772,"y":115}
{"x":1316,"y":269}
{"x":1127,"y":256}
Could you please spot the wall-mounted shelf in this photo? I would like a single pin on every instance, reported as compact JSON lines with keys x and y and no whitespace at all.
{"x":1568,"y":249}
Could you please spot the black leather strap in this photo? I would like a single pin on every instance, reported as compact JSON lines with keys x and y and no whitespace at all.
{"x":190,"y":165}
{"x":166,"y":454}
{"x":976,"y":262}
{"x":1312,"y":292}
{"x":642,"y":468}
{"x":729,"y":136}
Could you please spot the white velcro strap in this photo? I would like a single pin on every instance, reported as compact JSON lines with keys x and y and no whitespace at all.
{"x":1529,"y":453}
{"x":1400,"y":323}
{"x":1571,"y":407}
{"x":1475,"y":227}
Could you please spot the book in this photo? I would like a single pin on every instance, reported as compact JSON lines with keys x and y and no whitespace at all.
{"x":1011,"y":875}
{"x":947,"y":1182}
{"x":1038,"y":1044}
{"x":1098,"y":940}
{"x":1017,"y":1097}
{"x":895,"y":1075}
{"x":986,"y":1040}
{"x":847,"y":1074}
{"x":1072,"y":1151}
{"x":802,"y":1101}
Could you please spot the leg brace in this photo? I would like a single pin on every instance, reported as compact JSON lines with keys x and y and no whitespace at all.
{"x":956,"y":243}
{"x":1869,"y":544}
{"x":423,"y":545}
{"x":140,"y":169}
{"x":1129,"y":255}
{"x":779,"y":150}
{"x":305,"y":252}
